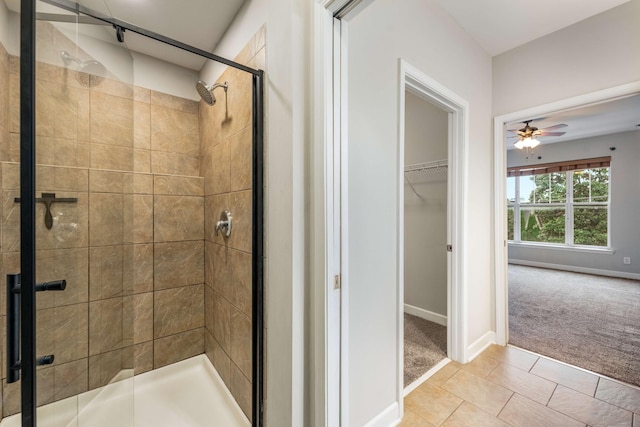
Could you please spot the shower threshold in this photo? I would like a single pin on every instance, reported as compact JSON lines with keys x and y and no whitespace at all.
{"x":189,"y":393}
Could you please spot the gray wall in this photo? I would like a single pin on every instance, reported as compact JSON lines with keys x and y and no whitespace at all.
{"x":594,"y":54}
{"x":624,"y":205}
{"x":425,"y":226}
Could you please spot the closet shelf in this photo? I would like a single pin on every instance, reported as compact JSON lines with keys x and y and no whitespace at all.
{"x":435,"y":171}
{"x":429,"y":168}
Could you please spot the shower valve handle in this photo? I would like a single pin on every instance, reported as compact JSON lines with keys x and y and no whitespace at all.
{"x":224,"y":223}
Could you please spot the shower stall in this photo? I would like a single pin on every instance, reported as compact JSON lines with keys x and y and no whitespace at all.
{"x":131,"y":225}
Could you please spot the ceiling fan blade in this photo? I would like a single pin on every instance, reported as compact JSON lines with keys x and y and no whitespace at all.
{"x":514,"y":136}
{"x":558,"y":126}
{"x":552,"y":133}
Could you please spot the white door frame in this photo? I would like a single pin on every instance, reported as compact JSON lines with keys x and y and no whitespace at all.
{"x":326,"y":234}
{"x":499,"y":186}
{"x":457,"y":108}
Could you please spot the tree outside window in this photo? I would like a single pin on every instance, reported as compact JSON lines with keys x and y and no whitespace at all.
{"x":550,"y":211}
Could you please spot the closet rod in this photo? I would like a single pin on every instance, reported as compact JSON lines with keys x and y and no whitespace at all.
{"x":419,"y":167}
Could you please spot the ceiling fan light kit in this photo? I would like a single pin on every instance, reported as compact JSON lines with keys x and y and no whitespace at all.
{"x":528,"y":142}
{"x":527,"y":136}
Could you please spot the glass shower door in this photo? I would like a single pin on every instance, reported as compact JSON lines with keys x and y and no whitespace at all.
{"x":84,"y":214}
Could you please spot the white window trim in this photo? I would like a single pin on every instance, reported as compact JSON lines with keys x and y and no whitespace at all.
{"x":560,"y":247}
{"x":568,"y":207}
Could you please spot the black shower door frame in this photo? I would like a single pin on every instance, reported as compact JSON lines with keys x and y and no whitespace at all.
{"x":28,"y":204}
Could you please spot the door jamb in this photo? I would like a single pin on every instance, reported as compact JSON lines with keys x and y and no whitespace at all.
{"x":425,"y":87}
{"x":457,"y":108}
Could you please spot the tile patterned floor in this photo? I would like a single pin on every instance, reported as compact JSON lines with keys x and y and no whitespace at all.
{"x":506,"y":386}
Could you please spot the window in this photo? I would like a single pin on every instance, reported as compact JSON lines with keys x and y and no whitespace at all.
{"x":560,"y":203}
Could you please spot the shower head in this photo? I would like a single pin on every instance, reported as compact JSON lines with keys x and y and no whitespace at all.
{"x":90,"y":67}
{"x":206,"y":92}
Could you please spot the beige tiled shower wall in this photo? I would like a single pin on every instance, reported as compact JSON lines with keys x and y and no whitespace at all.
{"x":131,"y":248}
{"x":226,"y":165}
{"x":4,"y":147}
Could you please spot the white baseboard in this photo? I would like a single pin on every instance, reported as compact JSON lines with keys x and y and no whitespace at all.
{"x":480,"y":345}
{"x":575,"y":269}
{"x":426,"y":314}
{"x":386,"y":418}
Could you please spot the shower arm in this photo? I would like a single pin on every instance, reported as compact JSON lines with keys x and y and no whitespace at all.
{"x":225,"y":85}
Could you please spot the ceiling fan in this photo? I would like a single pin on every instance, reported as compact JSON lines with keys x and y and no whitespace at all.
{"x":528,"y":134}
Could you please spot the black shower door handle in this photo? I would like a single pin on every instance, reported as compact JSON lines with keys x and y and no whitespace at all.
{"x":13,"y":327}
{"x":13,"y":324}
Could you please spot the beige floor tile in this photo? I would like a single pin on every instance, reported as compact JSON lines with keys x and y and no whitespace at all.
{"x":589,"y":410}
{"x":512,"y":356}
{"x":577,"y":379}
{"x":529,"y":385}
{"x":618,"y":394}
{"x":444,"y":373}
{"x":468,"y":415}
{"x":478,"y":391}
{"x":411,"y":419}
{"x":431,"y":403}
{"x":523,"y":412}
{"x":482,"y":365}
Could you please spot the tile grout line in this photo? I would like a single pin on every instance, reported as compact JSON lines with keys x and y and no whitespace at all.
{"x":550,"y":396}
{"x":505,"y":404}
{"x":454,"y":411}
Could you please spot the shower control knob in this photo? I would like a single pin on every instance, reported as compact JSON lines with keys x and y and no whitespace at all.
{"x":224,"y":223}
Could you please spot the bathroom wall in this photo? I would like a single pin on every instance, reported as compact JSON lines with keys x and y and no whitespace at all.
{"x":226,"y":165}
{"x":131,"y":248}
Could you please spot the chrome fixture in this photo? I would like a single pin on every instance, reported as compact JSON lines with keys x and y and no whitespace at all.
{"x":206,"y":92}
{"x":224,"y":223}
{"x":90,"y":67}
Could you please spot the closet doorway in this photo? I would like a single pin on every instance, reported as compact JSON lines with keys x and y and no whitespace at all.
{"x":426,"y":133}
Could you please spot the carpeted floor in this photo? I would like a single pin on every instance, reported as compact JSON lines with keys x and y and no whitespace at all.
{"x":588,"y":321}
{"x":425,"y":344}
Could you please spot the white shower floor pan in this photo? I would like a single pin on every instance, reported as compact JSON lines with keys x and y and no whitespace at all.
{"x":189,"y":393}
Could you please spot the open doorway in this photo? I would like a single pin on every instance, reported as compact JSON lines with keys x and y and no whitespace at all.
{"x":425,"y":237}
{"x":571,"y":238}
{"x":433,"y":140}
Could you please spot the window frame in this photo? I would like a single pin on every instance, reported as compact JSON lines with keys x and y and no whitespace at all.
{"x":568,"y":205}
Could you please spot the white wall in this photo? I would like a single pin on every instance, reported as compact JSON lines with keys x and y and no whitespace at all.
{"x":624,"y":205}
{"x":9,"y":30}
{"x":597,"y":53}
{"x":425,"y":216}
{"x":127,"y":66}
{"x":248,"y":20}
{"x":162,"y":76}
{"x":288,"y":47}
{"x":420,"y":32}
{"x":130,"y":67}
